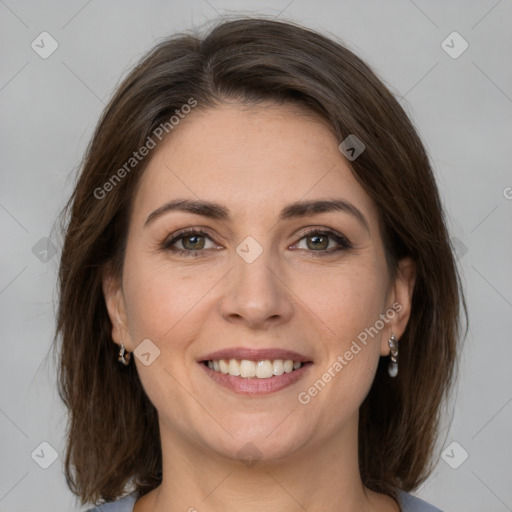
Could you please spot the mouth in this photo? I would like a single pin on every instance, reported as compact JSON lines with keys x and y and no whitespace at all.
{"x":247,"y":369}
{"x":255,"y":372}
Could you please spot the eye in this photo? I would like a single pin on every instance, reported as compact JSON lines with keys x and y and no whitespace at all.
{"x":319,"y":241}
{"x":192,"y":242}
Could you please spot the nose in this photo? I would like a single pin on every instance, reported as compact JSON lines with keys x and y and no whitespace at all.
{"x":257,"y":294}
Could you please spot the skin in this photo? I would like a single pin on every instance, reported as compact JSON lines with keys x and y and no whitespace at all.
{"x":254,"y":161}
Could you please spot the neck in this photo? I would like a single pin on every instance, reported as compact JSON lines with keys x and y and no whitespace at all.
{"x":317,"y":478}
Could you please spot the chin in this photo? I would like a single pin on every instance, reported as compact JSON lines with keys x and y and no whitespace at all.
{"x":266,"y":441}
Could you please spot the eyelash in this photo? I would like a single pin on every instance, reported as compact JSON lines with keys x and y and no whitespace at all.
{"x":343,"y":242}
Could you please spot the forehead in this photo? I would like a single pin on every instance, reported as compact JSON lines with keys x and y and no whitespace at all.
{"x":249,"y":157}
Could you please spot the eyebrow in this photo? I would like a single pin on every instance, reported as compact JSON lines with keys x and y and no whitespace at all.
{"x":293,"y":210}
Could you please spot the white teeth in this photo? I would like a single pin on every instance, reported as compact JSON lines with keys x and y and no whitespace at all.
{"x":288,"y":366}
{"x":224,"y":366}
{"x":234,"y":367}
{"x":249,"y":369}
{"x":278,"y":367}
{"x":264,"y":369}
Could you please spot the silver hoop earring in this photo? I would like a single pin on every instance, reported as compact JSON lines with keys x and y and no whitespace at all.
{"x":393,"y":365}
{"x":124,"y":359}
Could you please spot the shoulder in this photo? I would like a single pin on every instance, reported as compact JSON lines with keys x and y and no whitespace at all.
{"x":122,"y":505}
{"x":410,"y":503}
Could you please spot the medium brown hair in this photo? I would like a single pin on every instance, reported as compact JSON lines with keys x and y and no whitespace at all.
{"x":113,"y":437}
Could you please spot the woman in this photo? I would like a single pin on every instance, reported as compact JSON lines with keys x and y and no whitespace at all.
{"x":259,"y":304}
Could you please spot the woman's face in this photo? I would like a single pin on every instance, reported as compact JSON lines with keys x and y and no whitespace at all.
{"x":259,"y":276}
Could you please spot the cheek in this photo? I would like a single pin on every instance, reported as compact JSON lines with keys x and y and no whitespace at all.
{"x":161,"y":299}
{"x":349,"y":309}
{"x":348,"y":299}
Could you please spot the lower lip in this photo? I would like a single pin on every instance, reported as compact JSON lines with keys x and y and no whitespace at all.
{"x":255,"y":386}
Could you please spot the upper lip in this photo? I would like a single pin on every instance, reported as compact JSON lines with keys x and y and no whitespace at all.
{"x":252,"y":354}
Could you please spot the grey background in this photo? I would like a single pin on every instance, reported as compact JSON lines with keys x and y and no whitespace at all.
{"x":462,"y":108}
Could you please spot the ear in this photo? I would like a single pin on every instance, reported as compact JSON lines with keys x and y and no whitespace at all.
{"x":400,"y":301}
{"x":114,"y":299}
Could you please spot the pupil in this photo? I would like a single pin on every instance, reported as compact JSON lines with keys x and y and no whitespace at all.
{"x":194,"y":243}
{"x":317,"y":237}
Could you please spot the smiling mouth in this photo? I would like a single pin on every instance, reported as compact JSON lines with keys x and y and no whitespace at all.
{"x":247,"y":369}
